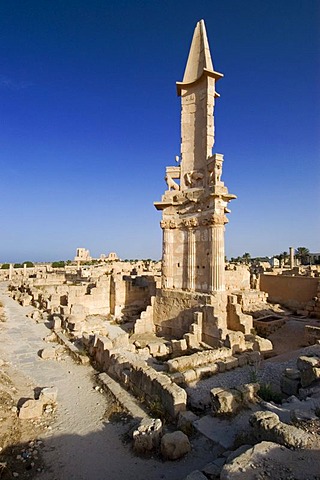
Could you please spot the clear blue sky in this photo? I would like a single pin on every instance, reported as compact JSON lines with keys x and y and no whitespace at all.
{"x":90,"y":119}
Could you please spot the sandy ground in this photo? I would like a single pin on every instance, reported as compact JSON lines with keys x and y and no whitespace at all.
{"x":78,"y":442}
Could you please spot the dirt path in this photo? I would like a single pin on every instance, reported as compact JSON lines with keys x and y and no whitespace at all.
{"x":81,"y":445}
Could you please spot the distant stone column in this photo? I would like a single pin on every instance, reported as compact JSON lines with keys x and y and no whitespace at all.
{"x":191,"y":259}
{"x":167,"y":256}
{"x":291,"y":250}
{"x":217,"y":263}
{"x":24,"y":270}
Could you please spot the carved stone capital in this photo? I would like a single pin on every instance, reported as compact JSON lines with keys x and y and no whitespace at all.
{"x":218,"y":219}
{"x":166,"y":224}
{"x":190,"y":222}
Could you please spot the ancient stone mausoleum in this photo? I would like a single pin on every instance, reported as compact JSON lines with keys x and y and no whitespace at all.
{"x":194,"y":209}
{"x":195,"y":205}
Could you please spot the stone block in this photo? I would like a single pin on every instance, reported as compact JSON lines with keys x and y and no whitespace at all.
{"x":48,"y":353}
{"x":163,"y":349}
{"x":306,"y":363}
{"x":191,"y":339}
{"x":221,"y":366}
{"x":208,"y":371}
{"x":235,"y":341}
{"x":249,"y":392}
{"x":231,"y":362}
{"x":262,"y":344}
{"x":185,"y":422}
{"x":56,"y":323}
{"x":190,"y":375}
{"x":147,"y":436}
{"x":48,"y":395}
{"x":31,"y":409}
{"x":177,"y":377}
{"x":242,"y":360}
{"x":225,"y":401}
{"x":179,"y":345}
{"x":175,"y":445}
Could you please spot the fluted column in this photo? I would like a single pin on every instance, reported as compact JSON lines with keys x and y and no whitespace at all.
{"x":217,"y":263}
{"x":191,"y":259}
{"x":167,"y":257}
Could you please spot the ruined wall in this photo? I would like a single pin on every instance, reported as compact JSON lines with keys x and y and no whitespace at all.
{"x":237,"y":278}
{"x":129,"y":296}
{"x":173,"y":314}
{"x":295,"y":292}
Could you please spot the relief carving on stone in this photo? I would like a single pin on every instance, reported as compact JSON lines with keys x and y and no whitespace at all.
{"x":194,"y":179}
{"x":172,"y":185}
{"x":215,"y":172}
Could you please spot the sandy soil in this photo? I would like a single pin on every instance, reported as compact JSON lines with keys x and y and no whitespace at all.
{"x":78,"y":441}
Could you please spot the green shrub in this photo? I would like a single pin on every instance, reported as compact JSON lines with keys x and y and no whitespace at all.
{"x":5,"y":266}
{"x":59,"y":264}
{"x":28,"y":263}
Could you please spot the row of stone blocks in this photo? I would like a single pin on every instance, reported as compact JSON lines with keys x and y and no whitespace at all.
{"x":219,"y":366}
{"x":142,"y":380}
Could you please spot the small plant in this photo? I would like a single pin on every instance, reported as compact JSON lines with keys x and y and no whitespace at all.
{"x":156,"y":408}
{"x":267,"y":393}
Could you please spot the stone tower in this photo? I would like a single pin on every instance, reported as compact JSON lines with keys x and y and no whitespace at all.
{"x":194,"y":206}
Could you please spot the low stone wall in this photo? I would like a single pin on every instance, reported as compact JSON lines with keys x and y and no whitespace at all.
{"x":141,"y":379}
{"x":295,"y":292}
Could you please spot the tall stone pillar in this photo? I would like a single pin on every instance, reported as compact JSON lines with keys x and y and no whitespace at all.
{"x":191,"y":259}
{"x":217,"y":263}
{"x":24,"y":270}
{"x":291,"y":250}
{"x":167,"y":256}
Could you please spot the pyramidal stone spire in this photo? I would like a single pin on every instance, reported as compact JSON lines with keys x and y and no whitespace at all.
{"x":199,"y":56}
{"x":198,"y":93}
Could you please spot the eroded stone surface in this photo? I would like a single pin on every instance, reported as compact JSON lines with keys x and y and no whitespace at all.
{"x":175,"y":445}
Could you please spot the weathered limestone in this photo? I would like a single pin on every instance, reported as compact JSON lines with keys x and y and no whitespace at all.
{"x":267,"y":426}
{"x":31,"y":409}
{"x":147,"y":436}
{"x":309,"y":367}
{"x":48,"y":395}
{"x":175,"y":445}
{"x":229,"y":401}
